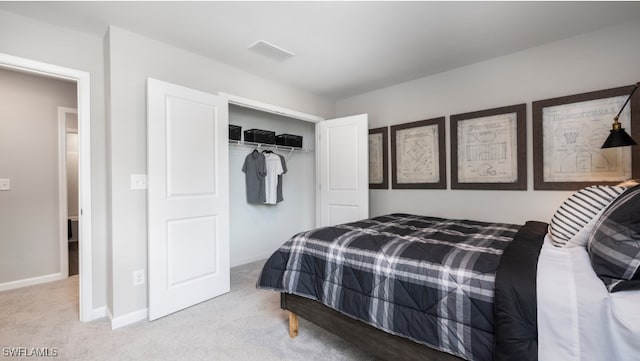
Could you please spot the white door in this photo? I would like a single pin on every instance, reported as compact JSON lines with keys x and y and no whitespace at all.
{"x":342,"y":152}
{"x":188,"y":197}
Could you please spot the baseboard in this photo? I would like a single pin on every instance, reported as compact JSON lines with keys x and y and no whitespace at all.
{"x":31,"y":281}
{"x":100,"y":312}
{"x":243,"y":261}
{"x":129,"y":318}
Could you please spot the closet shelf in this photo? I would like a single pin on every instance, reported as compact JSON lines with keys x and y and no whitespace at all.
{"x":268,"y":146}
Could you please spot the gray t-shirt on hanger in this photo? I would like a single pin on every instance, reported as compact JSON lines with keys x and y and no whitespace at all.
{"x":280,"y":198}
{"x":255,"y":170}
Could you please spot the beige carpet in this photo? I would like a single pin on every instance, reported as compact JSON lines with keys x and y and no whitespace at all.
{"x":246,"y":324}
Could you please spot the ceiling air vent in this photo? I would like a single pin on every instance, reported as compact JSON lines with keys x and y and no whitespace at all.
{"x":271,"y":51}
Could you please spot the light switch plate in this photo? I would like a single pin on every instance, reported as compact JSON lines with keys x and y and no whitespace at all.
{"x":5,"y":184}
{"x":138,"y":181}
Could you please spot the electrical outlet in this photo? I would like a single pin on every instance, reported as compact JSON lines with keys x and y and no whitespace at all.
{"x":138,"y":277}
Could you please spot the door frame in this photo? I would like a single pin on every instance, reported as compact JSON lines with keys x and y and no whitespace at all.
{"x":82,"y":79}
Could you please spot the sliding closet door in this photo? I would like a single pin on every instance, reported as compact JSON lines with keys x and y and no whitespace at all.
{"x":342,"y":166}
{"x":188,"y":197}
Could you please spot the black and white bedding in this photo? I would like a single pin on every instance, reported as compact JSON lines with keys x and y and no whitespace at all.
{"x":428,"y":279}
{"x":588,"y":288}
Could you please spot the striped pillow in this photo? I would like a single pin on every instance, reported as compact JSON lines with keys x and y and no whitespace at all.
{"x":579,"y":210}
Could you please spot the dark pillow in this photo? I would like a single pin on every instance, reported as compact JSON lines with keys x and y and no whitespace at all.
{"x":614,"y":245}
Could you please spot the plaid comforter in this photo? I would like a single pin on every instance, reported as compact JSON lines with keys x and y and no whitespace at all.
{"x":424,"y":278}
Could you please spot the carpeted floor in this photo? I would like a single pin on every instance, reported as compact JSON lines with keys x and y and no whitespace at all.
{"x":245,"y":324}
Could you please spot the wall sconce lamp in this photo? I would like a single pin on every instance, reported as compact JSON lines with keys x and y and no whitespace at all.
{"x":617,"y":136}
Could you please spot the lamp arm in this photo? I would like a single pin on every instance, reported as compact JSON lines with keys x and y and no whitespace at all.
{"x":625,"y":103}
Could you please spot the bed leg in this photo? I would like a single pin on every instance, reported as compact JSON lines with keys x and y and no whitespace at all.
{"x":293,"y":325}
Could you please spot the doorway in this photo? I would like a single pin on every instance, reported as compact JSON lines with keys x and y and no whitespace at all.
{"x":82,"y":80}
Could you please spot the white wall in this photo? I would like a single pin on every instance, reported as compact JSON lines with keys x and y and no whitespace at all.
{"x":29,"y":219}
{"x":257,"y":230}
{"x":27,"y":38}
{"x":131,"y":60}
{"x":594,"y":61}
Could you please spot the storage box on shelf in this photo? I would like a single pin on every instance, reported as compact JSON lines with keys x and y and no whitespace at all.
{"x":260,"y":136}
{"x":289,"y":140}
{"x":235,"y":132}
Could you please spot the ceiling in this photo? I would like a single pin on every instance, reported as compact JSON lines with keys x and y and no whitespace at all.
{"x":341,"y":48}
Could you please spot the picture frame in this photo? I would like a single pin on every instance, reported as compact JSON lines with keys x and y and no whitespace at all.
{"x":489,"y":149}
{"x":379,"y":158}
{"x":418,"y":155}
{"x":568,"y":133}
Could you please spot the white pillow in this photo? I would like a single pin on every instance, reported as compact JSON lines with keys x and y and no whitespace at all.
{"x":579,"y":212}
{"x":581,"y":238}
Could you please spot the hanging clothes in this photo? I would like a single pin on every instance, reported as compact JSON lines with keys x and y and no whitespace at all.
{"x":274,"y":169}
{"x":255,"y":171}
{"x":280,"y":197}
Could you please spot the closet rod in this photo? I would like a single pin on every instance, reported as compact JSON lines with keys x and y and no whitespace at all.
{"x":268,"y":146}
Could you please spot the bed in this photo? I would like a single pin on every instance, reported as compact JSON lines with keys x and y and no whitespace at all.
{"x":433,"y":277}
{"x":415,"y":287}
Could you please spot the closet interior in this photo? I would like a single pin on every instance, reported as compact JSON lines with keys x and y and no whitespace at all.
{"x":256,"y":230}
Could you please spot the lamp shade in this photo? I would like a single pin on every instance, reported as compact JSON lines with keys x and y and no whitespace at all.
{"x":618,"y":138}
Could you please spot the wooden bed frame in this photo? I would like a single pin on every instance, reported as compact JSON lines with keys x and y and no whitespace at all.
{"x":370,"y":339}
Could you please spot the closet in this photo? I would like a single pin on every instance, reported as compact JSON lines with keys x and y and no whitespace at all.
{"x":257,"y":229}
{"x":321,"y":187}
{"x":198,"y":220}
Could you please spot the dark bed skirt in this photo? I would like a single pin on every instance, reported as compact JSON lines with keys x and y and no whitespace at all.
{"x":370,"y":339}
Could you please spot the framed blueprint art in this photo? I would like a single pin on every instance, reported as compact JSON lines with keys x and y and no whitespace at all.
{"x":378,"y":158}
{"x":488,"y":149}
{"x":568,"y":133}
{"x":418,"y":155}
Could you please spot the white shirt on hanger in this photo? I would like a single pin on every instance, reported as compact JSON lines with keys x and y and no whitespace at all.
{"x":274,"y":169}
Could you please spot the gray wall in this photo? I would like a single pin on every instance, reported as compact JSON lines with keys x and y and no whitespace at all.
{"x":594,"y":61}
{"x":24,"y":37}
{"x":29,"y":213}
